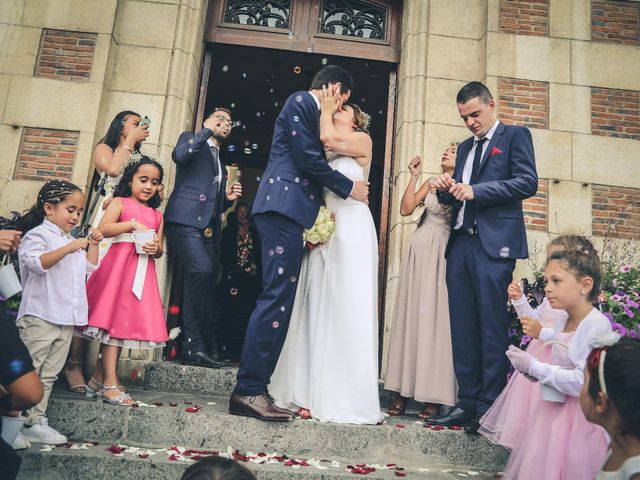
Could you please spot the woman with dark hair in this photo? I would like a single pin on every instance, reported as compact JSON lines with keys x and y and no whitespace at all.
{"x":241,"y":278}
{"x":610,"y":397}
{"x":217,"y":468}
{"x":124,"y":136}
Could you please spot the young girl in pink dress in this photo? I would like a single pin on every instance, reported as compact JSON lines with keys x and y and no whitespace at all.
{"x":125,"y":309}
{"x":552,"y":439}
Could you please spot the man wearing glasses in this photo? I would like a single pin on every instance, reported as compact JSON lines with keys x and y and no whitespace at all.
{"x":193,"y":226}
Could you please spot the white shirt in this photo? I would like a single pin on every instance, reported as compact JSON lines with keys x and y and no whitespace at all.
{"x":216,"y":155}
{"x":544,"y":313}
{"x":468,"y":167}
{"x":593,"y":326}
{"x":629,"y":468}
{"x":57,"y":295}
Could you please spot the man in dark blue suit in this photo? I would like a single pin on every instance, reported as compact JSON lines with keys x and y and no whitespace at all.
{"x":286,"y":203}
{"x":193,"y":226}
{"x":495,"y":171}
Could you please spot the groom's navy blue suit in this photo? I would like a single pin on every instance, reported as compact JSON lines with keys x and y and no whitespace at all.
{"x":286,"y":203}
{"x":481,"y":259}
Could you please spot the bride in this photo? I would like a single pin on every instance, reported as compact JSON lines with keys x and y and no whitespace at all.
{"x":329,"y":362}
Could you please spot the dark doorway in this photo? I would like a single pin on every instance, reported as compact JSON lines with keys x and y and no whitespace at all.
{"x":254,"y":83}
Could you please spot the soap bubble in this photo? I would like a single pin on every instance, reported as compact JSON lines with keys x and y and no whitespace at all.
{"x":324,"y":61}
{"x":298,"y":98}
{"x":293,"y":279}
{"x":279,"y":249}
{"x":231,"y":148}
{"x":275,"y":324}
{"x":258,"y":114}
{"x":225,"y":68}
{"x":282,"y":309}
{"x":280,"y":270}
{"x":247,"y":151}
{"x":504,"y":252}
{"x":296,"y":118}
{"x":246,"y":143}
{"x":297,"y":70}
{"x":270,"y":90}
{"x":294,"y":133}
{"x":233,"y":105}
{"x":254,"y":146}
{"x":244,"y":75}
{"x":275,"y":104}
{"x":244,"y":127}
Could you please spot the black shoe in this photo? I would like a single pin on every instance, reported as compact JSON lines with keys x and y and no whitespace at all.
{"x":473,"y":425}
{"x":457,"y":416}
{"x":201,"y":359}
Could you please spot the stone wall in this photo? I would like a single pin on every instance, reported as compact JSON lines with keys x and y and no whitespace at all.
{"x":568,"y":69}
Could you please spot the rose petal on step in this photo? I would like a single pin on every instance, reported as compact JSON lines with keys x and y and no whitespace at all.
{"x":399,"y":425}
{"x":135,"y":373}
{"x":455,"y":427}
{"x":115,"y":449}
{"x":157,"y":404}
{"x":143,"y":455}
{"x":173,"y":404}
{"x":399,"y":473}
{"x":188,"y":402}
{"x":193,"y":409}
{"x":437,"y":427}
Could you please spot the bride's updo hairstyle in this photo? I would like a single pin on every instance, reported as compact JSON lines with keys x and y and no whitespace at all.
{"x":360,"y":119}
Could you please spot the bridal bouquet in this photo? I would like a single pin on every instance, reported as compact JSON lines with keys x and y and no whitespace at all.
{"x":322,"y":229}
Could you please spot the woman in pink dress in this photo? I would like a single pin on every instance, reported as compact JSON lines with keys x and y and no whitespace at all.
{"x":125,"y":309}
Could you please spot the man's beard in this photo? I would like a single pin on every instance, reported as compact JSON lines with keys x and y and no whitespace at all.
{"x":221,"y":139}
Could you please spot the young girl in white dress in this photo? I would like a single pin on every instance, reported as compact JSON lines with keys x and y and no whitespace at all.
{"x":329,"y":362}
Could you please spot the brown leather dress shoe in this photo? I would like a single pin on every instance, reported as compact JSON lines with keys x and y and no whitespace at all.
{"x":260,"y":407}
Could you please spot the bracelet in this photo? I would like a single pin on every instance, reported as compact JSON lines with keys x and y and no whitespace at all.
{"x":126,"y":147}
{"x":133,"y":224}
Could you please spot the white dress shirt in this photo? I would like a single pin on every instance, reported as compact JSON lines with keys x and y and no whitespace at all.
{"x":593,"y":326}
{"x":468,"y":168}
{"x":57,"y":295}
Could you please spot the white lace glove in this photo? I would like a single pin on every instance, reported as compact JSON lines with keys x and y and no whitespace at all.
{"x":521,"y":360}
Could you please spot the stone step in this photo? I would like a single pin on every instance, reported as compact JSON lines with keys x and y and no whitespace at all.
{"x":400,"y":441}
{"x":171,"y":376}
{"x":96,"y":462}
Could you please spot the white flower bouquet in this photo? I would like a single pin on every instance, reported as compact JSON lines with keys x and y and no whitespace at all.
{"x":322,"y":229}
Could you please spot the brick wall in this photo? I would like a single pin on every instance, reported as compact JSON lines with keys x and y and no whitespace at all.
{"x":536,"y":208}
{"x":523,"y":102}
{"x":616,"y":211}
{"x":65,"y":55}
{"x":615,"y":22}
{"x":615,"y":113}
{"x":46,"y":154}
{"x":525,"y":17}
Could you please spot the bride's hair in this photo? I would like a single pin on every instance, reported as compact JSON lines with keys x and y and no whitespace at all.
{"x":360,"y":119}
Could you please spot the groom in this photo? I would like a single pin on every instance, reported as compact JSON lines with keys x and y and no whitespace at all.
{"x":287,"y":202}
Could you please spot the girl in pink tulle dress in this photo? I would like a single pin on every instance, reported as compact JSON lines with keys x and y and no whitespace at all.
{"x":552,"y":440}
{"x":125,"y":309}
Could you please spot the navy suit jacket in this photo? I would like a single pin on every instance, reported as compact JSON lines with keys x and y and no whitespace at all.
{"x":196,"y":198}
{"x":507,"y":175}
{"x":297,"y":168}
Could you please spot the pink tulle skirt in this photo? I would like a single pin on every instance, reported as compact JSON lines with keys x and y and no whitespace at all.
{"x":548,"y":440}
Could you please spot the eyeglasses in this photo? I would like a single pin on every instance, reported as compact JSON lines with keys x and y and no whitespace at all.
{"x":224,"y":120}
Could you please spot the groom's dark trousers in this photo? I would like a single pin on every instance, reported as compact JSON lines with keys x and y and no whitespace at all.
{"x":280,"y":239}
{"x":287,"y":201}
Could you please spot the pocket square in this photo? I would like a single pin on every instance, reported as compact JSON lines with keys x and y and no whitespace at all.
{"x":495,"y":151}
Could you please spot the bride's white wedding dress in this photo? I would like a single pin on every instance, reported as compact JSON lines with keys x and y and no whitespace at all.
{"x":329,"y":362}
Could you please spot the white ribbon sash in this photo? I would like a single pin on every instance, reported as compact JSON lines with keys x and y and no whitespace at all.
{"x":141,"y":267}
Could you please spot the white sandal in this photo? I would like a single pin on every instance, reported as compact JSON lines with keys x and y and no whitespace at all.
{"x":123,"y":399}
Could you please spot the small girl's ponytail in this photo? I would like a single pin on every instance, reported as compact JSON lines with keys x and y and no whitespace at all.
{"x":52,"y":192}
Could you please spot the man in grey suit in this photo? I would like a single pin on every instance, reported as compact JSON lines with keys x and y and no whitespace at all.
{"x":193,"y":226}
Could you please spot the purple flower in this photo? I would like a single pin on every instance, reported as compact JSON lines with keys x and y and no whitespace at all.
{"x":618,"y":327}
{"x":625,"y":268}
{"x":511,"y":332}
{"x":633,"y":334}
{"x":524,"y":341}
{"x":627,"y":311}
{"x":615,"y":297}
{"x":631,"y":303}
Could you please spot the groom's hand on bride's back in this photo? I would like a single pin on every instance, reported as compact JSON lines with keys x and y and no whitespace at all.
{"x":361,"y":191}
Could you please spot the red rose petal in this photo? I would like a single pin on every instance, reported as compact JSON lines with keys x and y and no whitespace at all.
{"x":455,"y":427}
{"x":174,"y":309}
{"x":390,"y":465}
{"x":135,"y":373}
{"x":192,"y":409}
{"x":399,"y":425}
{"x":143,"y":455}
{"x":115,"y":449}
{"x":196,"y":457}
{"x":400,"y":474}
{"x":437,"y":427}
{"x":188,"y":402}
{"x":174,"y":456}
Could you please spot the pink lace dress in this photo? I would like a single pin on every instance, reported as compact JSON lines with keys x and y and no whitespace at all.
{"x":548,"y":440}
{"x":117,"y":315}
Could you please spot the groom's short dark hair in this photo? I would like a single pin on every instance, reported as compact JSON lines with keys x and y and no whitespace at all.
{"x":333,"y":74}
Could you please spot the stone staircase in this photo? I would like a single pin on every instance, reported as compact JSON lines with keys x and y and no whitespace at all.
{"x":304,"y":449}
